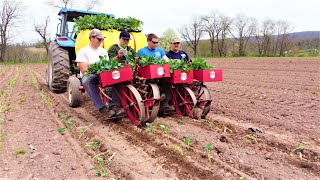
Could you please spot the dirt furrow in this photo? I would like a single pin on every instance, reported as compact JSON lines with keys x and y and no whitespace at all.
{"x":32,"y":146}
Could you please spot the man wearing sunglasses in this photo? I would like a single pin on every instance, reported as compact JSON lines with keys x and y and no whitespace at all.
{"x":152,"y":49}
{"x":175,"y":51}
{"x":119,"y":52}
{"x":89,"y":55}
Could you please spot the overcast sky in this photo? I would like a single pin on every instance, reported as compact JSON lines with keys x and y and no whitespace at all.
{"x":303,"y":15}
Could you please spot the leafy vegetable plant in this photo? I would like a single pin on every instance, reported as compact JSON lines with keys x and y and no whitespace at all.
{"x":200,"y":64}
{"x":104,"y":22}
{"x":149,"y":60}
{"x":179,"y":65}
{"x":103,"y":65}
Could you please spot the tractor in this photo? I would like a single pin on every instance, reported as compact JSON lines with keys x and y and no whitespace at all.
{"x":68,"y":41}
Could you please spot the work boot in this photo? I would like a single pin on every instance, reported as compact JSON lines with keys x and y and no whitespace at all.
{"x":112,"y":112}
{"x":169,"y":108}
{"x":120,"y":111}
{"x":103,"y":111}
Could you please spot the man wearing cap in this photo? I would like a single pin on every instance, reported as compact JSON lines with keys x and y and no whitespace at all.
{"x":175,"y":51}
{"x":152,"y":49}
{"x":89,"y":55}
{"x":119,"y":52}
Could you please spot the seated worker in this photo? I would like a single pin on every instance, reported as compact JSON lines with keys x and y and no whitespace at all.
{"x":119,"y":52}
{"x":175,"y":51}
{"x":151,"y":49}
{"x":89,"y":55}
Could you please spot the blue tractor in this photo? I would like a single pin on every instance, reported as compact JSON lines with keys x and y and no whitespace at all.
{"x":61,"y":55}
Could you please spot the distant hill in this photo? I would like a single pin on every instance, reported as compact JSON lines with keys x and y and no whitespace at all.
{"x":305,"y":35}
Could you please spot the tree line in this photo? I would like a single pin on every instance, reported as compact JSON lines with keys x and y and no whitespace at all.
{"x":233,"y":35}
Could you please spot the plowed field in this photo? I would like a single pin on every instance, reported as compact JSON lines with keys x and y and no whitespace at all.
{"x":264,"y":123}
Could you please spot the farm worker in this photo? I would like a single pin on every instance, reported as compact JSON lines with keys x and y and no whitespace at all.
{"x":89,"y":55}
{"x":119,"y":52}
{"x":152,"y":49}
{"x":175,"y":51}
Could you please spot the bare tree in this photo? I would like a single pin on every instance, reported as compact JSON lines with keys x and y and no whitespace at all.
{"x":222,"y":30}
{"x":85,"y":4}
{"x":283,"y":39}
{"x":265,"y":37}
{"x":192,"y":34}
{"x":42,"y":31}
{"x":9,"y":15}
{"x":210,"y":21}
{"x":242,"y":30}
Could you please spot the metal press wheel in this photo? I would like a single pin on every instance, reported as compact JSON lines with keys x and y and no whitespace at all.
{"x":203,"y":103}
{"x":184,"y":101}
{"x":131,"y":101}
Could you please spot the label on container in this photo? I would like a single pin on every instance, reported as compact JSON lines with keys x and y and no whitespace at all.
{"x":115,"y":75}
{"x":160,"y":71}
{"x":183,"y":76}
{"x":212,"y":74}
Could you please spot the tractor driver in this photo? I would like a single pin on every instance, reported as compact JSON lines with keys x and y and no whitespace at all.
{"x":89,"y":55}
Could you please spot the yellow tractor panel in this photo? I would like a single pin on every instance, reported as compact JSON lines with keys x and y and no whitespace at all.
{"x":138,"y":39}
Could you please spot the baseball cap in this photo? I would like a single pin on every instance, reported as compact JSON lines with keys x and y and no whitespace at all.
{"x":97,"y":33}
{"x":174,"y":40}
{"x":125,"y":35}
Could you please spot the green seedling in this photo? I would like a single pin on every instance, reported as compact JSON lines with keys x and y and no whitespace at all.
{"x":165,"y":128}
{"x":61,"y":130}
{"x":19,"y":152}
{"x":3,"y":133}
{"x":208,"y":149}
{"x":46,"y":98}
{"x":100,"y":168}
{"x":187,"y":140}
{"x":252,"y":138}
{"x":149,"y":127}
{"x":93,"y":144}
{"x":177,"y":148}
{"x":112,"y":178}
{"x":181,"y":123}
{"x":110,"y":164}
{"x":242,"y":178}
{"x":299,"y":150}
{"x":69,"y":123}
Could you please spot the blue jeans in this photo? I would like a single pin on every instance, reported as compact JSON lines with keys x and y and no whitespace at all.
{"x":90,"y":84}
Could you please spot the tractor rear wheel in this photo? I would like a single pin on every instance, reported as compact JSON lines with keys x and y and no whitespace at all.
{"x":58,"y":70}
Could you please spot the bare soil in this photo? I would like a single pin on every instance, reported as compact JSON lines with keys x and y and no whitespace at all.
{"x":274,"y":102}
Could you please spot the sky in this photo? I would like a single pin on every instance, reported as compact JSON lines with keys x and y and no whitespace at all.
{"x":158,"y":16}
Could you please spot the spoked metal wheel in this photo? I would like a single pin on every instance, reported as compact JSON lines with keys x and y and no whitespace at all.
{"x":203,"y":102}
{"x":152,"y":103}
{"x":184,"y":101}
{"x":132,"y":102}
{"x":74,"y":93}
